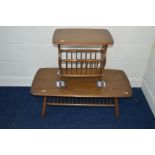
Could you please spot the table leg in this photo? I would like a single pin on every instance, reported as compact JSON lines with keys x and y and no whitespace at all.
{"x":43,"y":107}
{"x":116,"y":107}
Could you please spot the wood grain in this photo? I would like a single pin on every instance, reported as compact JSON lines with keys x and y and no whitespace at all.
{"x":117,"y":85}
{"x":82,"y":37}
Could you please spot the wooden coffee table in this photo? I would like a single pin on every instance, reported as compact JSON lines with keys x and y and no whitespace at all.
{"x":117,"y":86}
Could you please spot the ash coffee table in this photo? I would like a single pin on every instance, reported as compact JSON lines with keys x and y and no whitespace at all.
{"x":85,"y":89}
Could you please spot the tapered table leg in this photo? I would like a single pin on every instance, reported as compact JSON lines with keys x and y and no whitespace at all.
{"x":43,"y":107}
{"x":116,"y":107}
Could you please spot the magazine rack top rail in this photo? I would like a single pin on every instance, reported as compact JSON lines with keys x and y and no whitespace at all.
{"x":81,"y":52}
{"x":82,"y":37}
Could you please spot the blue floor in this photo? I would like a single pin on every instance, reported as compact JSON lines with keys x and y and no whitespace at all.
{"x":20,"y":110}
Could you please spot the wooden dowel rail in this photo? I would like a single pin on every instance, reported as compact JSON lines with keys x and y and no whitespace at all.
{"x":81,"y":104}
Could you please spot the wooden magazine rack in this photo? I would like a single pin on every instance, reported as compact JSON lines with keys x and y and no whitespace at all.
{"x":83,"y":61}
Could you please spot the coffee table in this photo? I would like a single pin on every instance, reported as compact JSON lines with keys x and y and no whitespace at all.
{"x":85,"y":89}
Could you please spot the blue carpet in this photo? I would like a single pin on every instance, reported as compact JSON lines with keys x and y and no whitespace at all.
{"x":19,"y":109}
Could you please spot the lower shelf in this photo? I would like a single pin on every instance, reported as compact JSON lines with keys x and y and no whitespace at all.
{"x":79,"y":101}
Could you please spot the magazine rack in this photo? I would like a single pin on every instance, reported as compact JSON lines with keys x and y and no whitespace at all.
{"x":81,"y":53}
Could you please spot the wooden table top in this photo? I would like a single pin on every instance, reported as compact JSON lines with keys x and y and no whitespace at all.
{"x":82,"y":37}
{"x":117,"y":85}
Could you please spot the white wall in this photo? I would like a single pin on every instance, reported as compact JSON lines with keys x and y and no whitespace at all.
{"x":23,"y":50}
{"x":149,"y":80}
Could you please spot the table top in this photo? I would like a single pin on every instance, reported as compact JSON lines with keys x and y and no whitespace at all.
{"x":82,"y":37}
{"x":117,"y":85}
